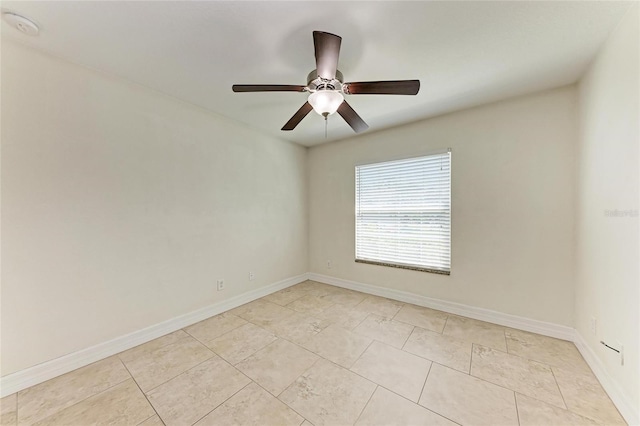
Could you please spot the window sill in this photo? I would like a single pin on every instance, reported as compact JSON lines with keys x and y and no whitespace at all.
{"x":412,"y":268}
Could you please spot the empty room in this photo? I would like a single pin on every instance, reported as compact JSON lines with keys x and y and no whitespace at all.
{"x":315,"y":213}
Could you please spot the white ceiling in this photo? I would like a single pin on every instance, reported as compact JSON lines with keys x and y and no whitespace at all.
{"x":464,"y":53}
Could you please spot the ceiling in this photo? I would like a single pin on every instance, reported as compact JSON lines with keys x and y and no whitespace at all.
{"x":464,"y":53}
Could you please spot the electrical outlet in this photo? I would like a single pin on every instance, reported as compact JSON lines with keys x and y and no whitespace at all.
{"x":594,"y":326}
{"x":328,"y":264}
{"x":220,"y":284}
{"x":252,"y":276}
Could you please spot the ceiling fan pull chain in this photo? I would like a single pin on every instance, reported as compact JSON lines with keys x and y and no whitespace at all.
{"x":325,"y":126}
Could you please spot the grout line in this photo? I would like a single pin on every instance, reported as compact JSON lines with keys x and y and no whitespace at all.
{"x":396,"y":314}
{"x":479,"y":378}
{"x":84,"y":399}
{"x":425,"y":383}
{"x":144,"y":394}
{"x":375,"y":383}
{"x":526,"y":359}
{"x":403,"y":322}
{"x":546,"y":364}
{"x":179,"y":374}
{"x":368,"y":401}
{"x":363,"y":320}
{"x":235,"y":329}
{"x":281,"y":401}
{"x":69,"y":372}
{"x":231,"y":396}
{"x":515,"y":400}
{"x":558,"y":386}
{"x":422,"y":357}
{"x":362,"y":301}
{"x":229,"y":331}
{"x":413,"y":327}
{"x":441,"y":415}
{"x":407,"y":341}
{"x":369,"y":380}
{"x":290,"y":301}
{"x":417,"y":404}
{"x":446,"y":321}
{"x":214,"y":408}
{"x":138,"y":424}
{"x":359,"y":323}
{"x":205,"y":345}
{"x":236,"y":369}
{"x":304,"y":293}
{"x":290,"y":384}
{"x":157,"y":338}
{"x":512,"y":390}
{"x":559,"y":408}
{"x":357,"y":374}
{"x":256,"y":351}
{"x":360,"y":356}
{"x":343,"y":329}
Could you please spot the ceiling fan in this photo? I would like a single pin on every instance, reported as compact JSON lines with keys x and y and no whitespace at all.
{"x":326,"y":86}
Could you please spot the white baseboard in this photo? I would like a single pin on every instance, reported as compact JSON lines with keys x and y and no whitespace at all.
{"x":507,"y":320}
{"x":23,"y":379}
{"x":627,"y":408}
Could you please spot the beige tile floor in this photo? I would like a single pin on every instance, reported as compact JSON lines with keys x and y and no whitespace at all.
{"x":314,"y":354}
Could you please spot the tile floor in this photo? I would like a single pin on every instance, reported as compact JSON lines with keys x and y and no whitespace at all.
{"x":314,"y":354}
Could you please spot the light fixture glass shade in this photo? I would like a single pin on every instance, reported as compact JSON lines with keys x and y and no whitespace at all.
{"x":325,"y":101}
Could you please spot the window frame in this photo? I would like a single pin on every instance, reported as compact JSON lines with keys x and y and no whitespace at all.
{"x":400,"y":265}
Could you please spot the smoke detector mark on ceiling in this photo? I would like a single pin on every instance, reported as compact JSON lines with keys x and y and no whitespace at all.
{"x":21,"y":23}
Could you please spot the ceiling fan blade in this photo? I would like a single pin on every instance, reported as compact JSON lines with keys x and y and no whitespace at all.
{"x":352,"y":118}
{"x":327,"y":48}
{"x":400,"y":87}
{"x":298,"y":116}
{"x":267,"y":88}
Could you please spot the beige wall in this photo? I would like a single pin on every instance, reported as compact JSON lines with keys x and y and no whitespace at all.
{"x":512,"y":205}
{"x":121,"y":207}
{"x":608,"y":276}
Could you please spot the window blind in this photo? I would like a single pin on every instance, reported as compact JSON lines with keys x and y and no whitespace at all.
{"x":403,"y":213}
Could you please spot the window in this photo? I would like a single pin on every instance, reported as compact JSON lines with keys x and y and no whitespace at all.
{"x":403,"y":213}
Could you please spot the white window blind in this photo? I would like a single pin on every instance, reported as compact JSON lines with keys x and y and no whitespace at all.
{"x":403,"y":213}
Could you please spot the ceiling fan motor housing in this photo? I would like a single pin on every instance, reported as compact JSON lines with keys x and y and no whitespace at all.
{"x":314,"y":82}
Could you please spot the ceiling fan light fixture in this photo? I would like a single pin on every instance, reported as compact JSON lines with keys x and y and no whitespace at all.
{"x":326,"y":101}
